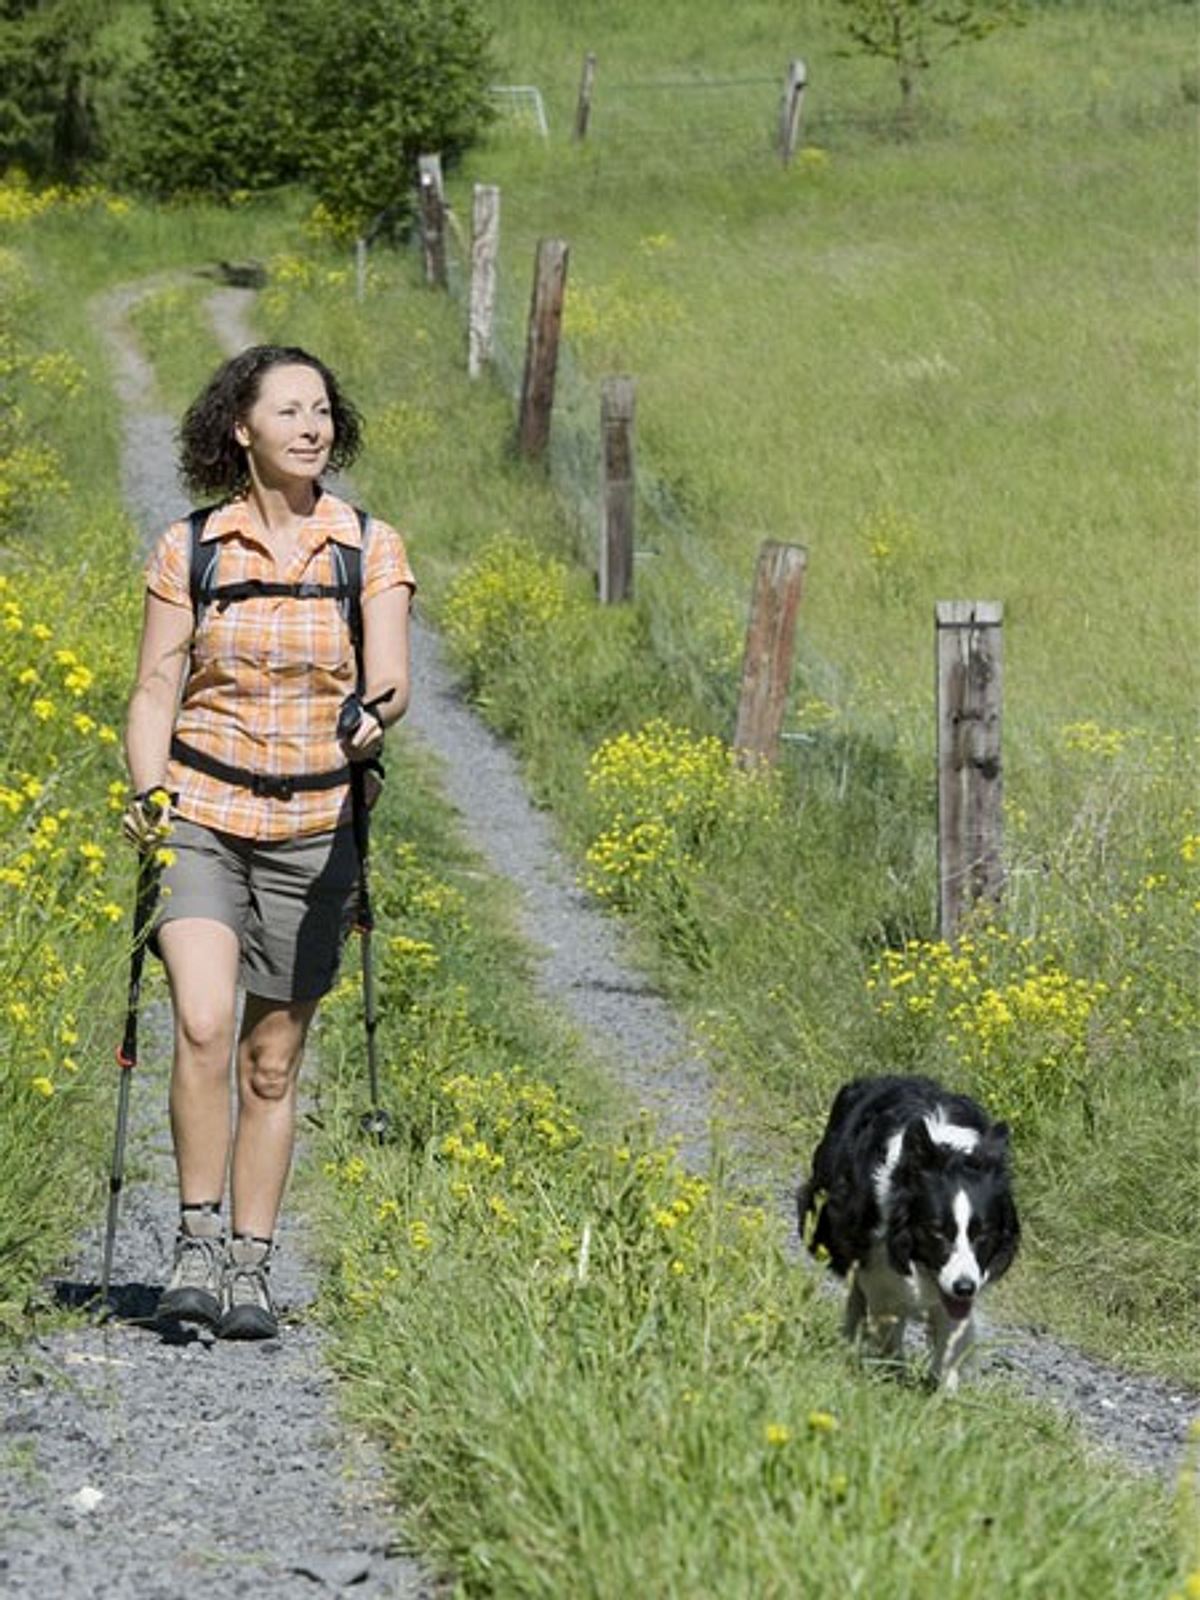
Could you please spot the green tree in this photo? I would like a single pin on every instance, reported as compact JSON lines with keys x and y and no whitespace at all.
{"x":204,"y":111}
{"x":344,"y":98}
{"x":390,"y":80}
{"x":913,"y":33}
{"x":48,"y":66}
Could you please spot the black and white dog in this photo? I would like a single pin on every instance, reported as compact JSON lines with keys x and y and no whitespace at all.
{"x":910,"y":1197}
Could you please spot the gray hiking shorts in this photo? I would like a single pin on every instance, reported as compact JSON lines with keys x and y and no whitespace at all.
{"x":290,"y":901}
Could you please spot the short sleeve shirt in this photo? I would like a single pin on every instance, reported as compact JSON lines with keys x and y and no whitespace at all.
{"x":268,"y":674}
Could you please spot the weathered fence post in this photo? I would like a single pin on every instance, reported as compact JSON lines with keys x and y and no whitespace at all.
{"x":617,"y":490}
{"x":583,"y":108}
{"x":970,"y":682}
{"x":770,"y":646}
{"x":433,"y":220}
{"x":541,"y":347}
{"x":790,"y":110}
{"x":485,"y":239}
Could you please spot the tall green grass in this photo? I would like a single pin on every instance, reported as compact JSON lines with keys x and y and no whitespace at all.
{"x":595,"y":1372}
{"x":918,"y":360}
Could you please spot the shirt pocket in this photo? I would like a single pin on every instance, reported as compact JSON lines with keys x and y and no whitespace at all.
{"x":311,"y":637}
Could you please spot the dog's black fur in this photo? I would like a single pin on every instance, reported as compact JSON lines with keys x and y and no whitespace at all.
{"x":910,"y":1197}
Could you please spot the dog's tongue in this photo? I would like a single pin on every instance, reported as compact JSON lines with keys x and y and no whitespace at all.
{"x":958,"y":1309}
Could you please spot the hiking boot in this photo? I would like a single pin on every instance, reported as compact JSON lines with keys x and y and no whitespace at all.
{"x":246,"y":1308}
{"x":194,"y":1292}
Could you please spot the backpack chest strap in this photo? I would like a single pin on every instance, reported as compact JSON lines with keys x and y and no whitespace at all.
{"x":226,"y":594}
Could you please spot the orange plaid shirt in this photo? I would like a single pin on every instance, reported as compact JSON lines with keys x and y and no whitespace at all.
{"x":268,"y":675}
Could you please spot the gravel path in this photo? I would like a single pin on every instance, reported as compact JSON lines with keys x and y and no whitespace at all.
{"x":136,"y":1467}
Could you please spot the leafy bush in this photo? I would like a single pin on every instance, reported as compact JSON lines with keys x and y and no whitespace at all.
{"x":390,"y":80}
{"x":345,"y":99}
{"x":48,"y":63}
{"x":208,"y":109}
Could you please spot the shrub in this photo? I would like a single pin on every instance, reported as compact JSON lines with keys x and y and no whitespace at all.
{"x":207,"y":111}
{"x":346,"y":100}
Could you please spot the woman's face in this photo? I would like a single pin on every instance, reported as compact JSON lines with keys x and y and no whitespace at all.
{"x":288,"y":431}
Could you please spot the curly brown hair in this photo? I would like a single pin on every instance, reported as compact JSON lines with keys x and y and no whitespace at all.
{"x":211,"y":461}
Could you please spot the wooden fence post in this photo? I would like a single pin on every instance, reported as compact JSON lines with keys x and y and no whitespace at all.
{"x":485,"y":238}
{"x":789,"y":112}
{"x":583,"y":108}
{"x":433,"y":220}
{"x":770,"y":646}
{"x":970,"y":682}
{"x":541,"y":348}
{"x":617,"y":490}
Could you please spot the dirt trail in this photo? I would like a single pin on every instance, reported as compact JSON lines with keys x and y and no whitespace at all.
{"x":138,"y":1468}
{"x":216,"y":1481}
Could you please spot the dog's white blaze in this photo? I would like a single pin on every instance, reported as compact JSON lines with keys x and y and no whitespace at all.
{"x":962,"y":1262}
{"x":942,"y":1131}
{"x":885,"y":1169}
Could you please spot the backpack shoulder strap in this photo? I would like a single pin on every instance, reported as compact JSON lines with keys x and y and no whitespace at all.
{"x":349,"y":561}
{"x":202,"y":562}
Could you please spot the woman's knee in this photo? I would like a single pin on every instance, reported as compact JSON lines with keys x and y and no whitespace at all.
{"x":204,"y":1033}
{"x":271,"y":1047}
{"x":268,"y":1074}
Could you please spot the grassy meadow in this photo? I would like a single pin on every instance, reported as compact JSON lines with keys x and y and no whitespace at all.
{"x":953,"y":364}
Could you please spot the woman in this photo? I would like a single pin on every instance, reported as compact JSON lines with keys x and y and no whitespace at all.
{"x":235,"y":714}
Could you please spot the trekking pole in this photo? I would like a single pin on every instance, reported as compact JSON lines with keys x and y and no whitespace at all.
{"x":376,"y":1122}
{"x":147,"y":895}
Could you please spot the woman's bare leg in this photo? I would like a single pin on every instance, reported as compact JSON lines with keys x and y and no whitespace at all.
{"x":201,"y":957}
{"x":270,"y":1049}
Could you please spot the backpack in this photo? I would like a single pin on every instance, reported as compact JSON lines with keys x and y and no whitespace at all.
{"x":347,"y":591}
{"x":205,"y":591}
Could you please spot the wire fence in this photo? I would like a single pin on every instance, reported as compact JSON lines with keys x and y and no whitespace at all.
{"x":694,"y":604}
{"x":696,"y":608}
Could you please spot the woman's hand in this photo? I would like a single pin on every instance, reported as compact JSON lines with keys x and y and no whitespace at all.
{"x":360,"y":726}
{"x":146,"y":822}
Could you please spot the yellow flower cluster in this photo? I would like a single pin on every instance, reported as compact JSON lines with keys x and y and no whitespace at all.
{"x":611,"y":322}
{"x":29,"y":474}
{"x":1089,"y":738}
{"x":289,"y":275}
{"x":20,"y":202}
{"x":508,"y":593}
{"x":1018,"y":1023}
{"x":662,"y":796}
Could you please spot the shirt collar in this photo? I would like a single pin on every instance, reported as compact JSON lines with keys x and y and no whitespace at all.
{"x":331,"y":519}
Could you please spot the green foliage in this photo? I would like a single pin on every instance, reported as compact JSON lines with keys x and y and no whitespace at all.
{"x":226,"y":101}
{"x":205,"y":109}
{"x":912,"y":33}
{"x":385,"y":81}
{"x":48,"y":67}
